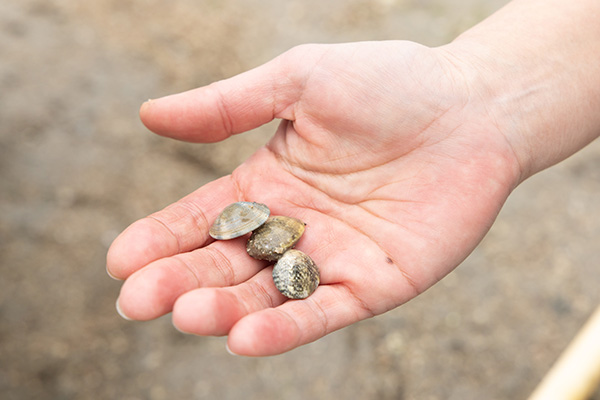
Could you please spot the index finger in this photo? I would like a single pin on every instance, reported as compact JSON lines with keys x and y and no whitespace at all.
{"x":183,"y":226}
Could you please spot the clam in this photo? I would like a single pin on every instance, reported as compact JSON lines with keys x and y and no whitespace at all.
{"x":238,"y":219}
{"x":296,"y":275}
{"x":276,"y":236}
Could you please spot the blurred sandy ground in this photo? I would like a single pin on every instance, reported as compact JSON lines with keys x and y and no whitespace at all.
{"x":76,"y":167}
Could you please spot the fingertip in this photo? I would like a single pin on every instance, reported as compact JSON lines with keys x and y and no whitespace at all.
{"x":121,"y":312}
{"x":145,"y":105}
{"x":265,"y":333}
{"x":152,"y":291}
{"x":117,"y":260}
{"x":160,"y":115}
{"x":141,"y":243}
{"x":206,"y":312}
{"x":145,"y":111}
{"x":111,"y":275}
{"x":185,"y":318}
{"x":229,"y":350}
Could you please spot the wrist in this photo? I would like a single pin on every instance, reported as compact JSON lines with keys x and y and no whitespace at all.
{"x":539,"y":85}
{"x":498,"y":95}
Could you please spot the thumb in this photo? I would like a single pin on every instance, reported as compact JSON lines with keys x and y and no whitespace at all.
{"x":243,"y":102}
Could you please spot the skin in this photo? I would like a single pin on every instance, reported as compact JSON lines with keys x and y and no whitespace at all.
{"x":397,"y":156}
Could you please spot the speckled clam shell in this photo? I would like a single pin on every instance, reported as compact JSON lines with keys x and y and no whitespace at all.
{"x":238,"y":219}
{"x":276,"y":236}
{"x":296,"y":275}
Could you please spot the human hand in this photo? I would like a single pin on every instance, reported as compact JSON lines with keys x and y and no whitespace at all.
{"x":384,"y":151}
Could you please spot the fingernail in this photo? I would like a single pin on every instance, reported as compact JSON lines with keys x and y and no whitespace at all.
{"x":180,"y":331}
{"x":229,"y":350}
{"x":145,"y":105}
{"x":112,"y":276}
{"x":121,"y":313}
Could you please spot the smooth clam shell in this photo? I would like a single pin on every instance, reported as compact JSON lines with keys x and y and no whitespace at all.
{"x":238,"y":219}
{"x":296,"y":275}
{"x":276,"y":236}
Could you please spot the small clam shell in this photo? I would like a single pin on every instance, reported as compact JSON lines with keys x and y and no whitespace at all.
{"x":296,"y":275}
{"x":274,"y":237}
{"x":237,"y":219}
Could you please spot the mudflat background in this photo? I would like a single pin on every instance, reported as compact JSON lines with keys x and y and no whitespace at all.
{"x":76,"y":167}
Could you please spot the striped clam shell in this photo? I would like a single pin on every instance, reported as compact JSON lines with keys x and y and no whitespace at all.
{"x":238,"y":219}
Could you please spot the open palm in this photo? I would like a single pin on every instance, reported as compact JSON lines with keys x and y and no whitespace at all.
{"x":385,"y":152}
